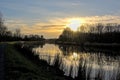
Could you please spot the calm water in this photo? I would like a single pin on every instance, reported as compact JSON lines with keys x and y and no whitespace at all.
{"x":75,"y":61}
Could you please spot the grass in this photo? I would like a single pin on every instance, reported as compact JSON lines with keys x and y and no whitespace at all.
{"x":18,"y":67}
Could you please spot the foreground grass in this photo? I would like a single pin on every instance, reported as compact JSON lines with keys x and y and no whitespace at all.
{"x":18,"y":67}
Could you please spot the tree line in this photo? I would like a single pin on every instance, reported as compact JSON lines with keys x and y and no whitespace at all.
{"x":92,"y":33}
{"x":7,"y":35}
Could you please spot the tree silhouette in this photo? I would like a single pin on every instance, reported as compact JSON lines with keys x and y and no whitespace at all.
{"x":6,"y":35}
{"x":107,"y":33}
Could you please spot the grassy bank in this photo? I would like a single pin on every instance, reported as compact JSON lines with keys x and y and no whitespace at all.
{"x":18,"y":67}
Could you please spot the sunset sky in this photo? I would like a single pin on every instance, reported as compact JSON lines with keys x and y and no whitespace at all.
{"x":50,"y":17}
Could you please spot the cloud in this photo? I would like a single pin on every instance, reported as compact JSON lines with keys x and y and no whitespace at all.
{"x":54,"y":27}
{"x":49,"y":31}
{"x":102,"y":19}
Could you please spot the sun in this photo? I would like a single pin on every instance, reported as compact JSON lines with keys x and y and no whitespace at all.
{"x":73,"y":24}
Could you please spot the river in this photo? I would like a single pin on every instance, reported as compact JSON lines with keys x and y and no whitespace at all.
{"x":76,"y":61}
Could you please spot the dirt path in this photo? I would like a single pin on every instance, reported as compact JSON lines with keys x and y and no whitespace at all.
{"x":2,"y":51}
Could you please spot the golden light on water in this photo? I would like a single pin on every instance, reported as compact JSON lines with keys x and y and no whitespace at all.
{"x":75,"y":55}
{"x":74,"y":23}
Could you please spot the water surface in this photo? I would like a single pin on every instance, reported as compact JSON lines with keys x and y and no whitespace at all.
{"x":76,"y":61}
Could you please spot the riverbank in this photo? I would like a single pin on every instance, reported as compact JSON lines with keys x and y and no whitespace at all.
{"x":20,"y":67}
{"x":2,"y":51}
{"x":89,"y":44}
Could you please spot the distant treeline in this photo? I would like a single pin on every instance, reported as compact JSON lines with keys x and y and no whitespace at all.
{"x":7,"y":35}
{"x":97,"y":33}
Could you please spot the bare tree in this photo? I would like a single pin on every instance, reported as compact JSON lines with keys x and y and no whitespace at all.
{"x":1,"y":20}
{"x":100,"y":28}
{"x":17,"y":33}
{"x":3,"y":29}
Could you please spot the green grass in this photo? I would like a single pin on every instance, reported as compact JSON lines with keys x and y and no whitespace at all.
{"x":18,"y":67}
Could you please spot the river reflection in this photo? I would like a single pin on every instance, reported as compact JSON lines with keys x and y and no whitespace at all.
{"x":74,"y":62}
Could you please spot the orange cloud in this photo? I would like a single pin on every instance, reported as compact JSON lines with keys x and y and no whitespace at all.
{"x":46,"y":30}
{"x":53,"y":27}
